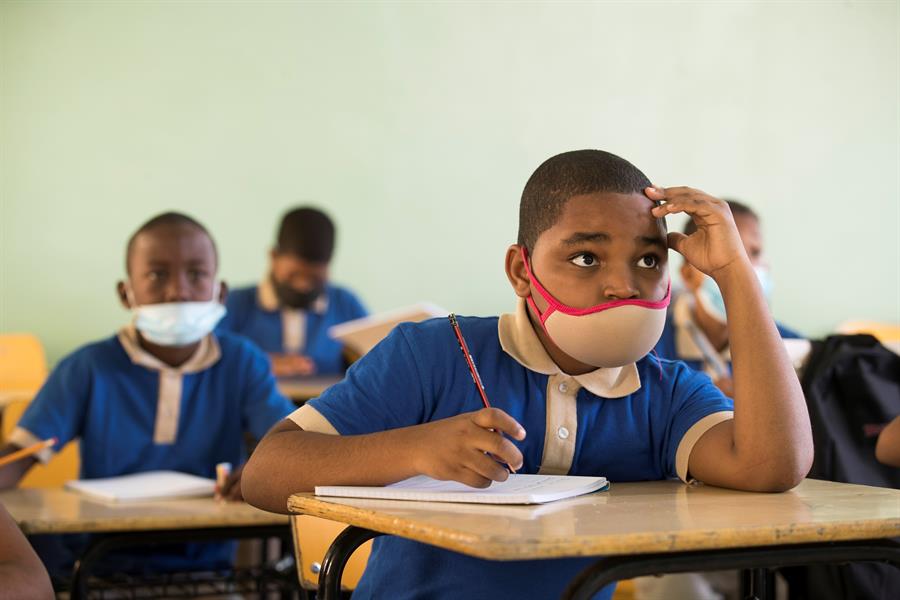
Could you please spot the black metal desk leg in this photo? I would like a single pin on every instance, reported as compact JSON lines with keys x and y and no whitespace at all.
{"x":336,"y":559}
{"x":757,"y":584}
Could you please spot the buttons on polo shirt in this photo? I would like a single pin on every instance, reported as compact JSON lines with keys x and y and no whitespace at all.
{"x":562,"y":387}
{"x":563,"y":433}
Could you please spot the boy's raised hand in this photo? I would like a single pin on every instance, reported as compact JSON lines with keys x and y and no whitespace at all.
{"x":716,"y":244}
{"x":465,"y":449}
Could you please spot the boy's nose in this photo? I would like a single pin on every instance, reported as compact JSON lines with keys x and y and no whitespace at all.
{"x":178,"y":290}
{"x":620,"y":288}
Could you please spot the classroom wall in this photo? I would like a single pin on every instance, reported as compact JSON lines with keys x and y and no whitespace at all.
{"x":416,"y":126}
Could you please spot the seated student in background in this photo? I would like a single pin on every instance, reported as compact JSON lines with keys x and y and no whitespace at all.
{"x":570,"y":367}
{"x":696,"y":329}
{"x":288,"y":314}
{"x":164,"y":392}
{"x":21,"y":573}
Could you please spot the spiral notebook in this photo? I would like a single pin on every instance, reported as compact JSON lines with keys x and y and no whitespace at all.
{"x":517,"y":489}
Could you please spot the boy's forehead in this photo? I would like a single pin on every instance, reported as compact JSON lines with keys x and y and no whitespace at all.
{"x":608,"y":212}
{"x":167,"y":243}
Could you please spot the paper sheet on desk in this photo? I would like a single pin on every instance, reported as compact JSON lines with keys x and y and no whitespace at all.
{"x":152,"y":485}
{"x":517,"y":489}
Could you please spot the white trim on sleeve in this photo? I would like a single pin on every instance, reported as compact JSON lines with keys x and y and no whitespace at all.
{"x":692,"y":436}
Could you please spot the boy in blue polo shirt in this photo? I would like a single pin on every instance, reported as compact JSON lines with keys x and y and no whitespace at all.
{"x":696,"y":329}
{"x":164,"y":393}
{"x":288,"y":314}
{"x":570,"y":367}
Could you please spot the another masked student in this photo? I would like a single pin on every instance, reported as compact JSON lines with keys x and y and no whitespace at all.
{"x":289,"y":312}
{"x":570,"y":367}
{"x":696,"y":329}
{"x":164,"y":393}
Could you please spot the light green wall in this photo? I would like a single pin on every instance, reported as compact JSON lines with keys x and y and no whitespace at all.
{"x":417,"y":124}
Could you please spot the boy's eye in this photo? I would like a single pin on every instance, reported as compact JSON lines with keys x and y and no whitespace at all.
{"x":584,"y":260}
{"x":647,"y":262}
{"x":156,"y":275}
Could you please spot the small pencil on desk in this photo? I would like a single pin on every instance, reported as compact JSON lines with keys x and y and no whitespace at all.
{"x":470,"y":362}
{"x":25,"y":452}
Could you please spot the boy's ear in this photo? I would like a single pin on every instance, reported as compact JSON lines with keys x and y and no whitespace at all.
{"x":515,"y":271}
{"x":223,"y":291}
{"x":123,"y":296}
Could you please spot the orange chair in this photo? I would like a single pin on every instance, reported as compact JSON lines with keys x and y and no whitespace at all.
{"x":312,"y":537}
{"x":23,"y":369}
{"x":886,"y":333}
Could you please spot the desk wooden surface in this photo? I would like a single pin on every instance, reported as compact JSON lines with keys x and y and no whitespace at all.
{"x":631,"y":518}
{"x":61,"y":511}
{"x":301,"y":389}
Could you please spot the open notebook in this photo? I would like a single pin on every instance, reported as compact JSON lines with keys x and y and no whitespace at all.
{"x":361,"y":335}
{"x":152,"y":485}
{"x":518,"y":489}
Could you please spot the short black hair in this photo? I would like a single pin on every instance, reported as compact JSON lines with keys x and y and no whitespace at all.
{"x":306,"y":233}
{"x":572,"y":174}
{"x":167,"y":219}
{"x":737,"y":209}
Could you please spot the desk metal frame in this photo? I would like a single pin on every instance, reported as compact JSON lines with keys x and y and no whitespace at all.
{"x":104,"y":543}
{"x":754,"y":561}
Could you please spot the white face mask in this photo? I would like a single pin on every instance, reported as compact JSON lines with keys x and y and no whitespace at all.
{"x":176,"y":323}
{"x":711,"y":298}
{"x":612,"y":334}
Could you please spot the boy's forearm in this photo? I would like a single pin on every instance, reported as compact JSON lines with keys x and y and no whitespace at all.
{"x":771,"y":422}
{"x":289,"y":460}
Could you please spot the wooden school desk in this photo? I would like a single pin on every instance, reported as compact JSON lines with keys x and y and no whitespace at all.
{"x":636,"y":529}
{"x":301,"y":389}
{"x":43,"y":511}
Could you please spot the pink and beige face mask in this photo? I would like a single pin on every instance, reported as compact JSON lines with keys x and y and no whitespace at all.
{"x":612,"y":334}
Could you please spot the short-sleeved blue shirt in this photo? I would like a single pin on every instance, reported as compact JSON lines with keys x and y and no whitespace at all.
{"x":263,"y":324}
{"x":98,"y":395}
{"x":417,"y":374}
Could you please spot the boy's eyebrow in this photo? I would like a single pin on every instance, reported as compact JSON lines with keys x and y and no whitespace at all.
{"x":586,"y":236}
{"x":652,"y":241}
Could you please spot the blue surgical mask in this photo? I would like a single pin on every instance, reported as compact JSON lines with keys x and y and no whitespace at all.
{"x":713,"y":302}
{"x":176,"y":323}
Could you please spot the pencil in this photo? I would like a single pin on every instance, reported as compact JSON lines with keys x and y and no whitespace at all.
{"x":470,"y":362}
{"x":20,"y":454}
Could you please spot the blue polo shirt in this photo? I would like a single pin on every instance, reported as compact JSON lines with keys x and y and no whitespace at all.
{"x":254,"y":313}
{"x":417,"y":374}
{"x":675,"y":342}
{"x":132,"y":414}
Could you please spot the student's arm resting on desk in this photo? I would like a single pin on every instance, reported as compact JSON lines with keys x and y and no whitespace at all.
{"x":382,"y":410}
{"x":768,"y":445}
{"x":21,"y":573}
{"x":290,"y":460}
{"x":887,"y":450}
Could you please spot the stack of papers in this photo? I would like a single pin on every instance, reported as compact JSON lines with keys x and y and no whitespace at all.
{"x":152,"y":485}
{"x":361,"y":335}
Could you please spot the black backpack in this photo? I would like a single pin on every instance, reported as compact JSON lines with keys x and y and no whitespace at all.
{"x":852,"y":389}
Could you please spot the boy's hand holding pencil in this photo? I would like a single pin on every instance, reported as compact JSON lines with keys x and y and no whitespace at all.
{"x":469,"y":448}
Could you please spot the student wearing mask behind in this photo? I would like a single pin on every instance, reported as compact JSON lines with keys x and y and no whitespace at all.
{"x":289,"y":313}
{"x":696,"y":328}
{"x":164,"y":393}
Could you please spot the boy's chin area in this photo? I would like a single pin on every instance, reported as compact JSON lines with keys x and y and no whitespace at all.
{"x":568,"y":365}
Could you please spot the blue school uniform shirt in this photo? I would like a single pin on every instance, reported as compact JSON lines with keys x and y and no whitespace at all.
{"x":131,"y":413}
{"x":633,"y":423}
{"x":255,"y":312}
{"x":676,"y":342}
